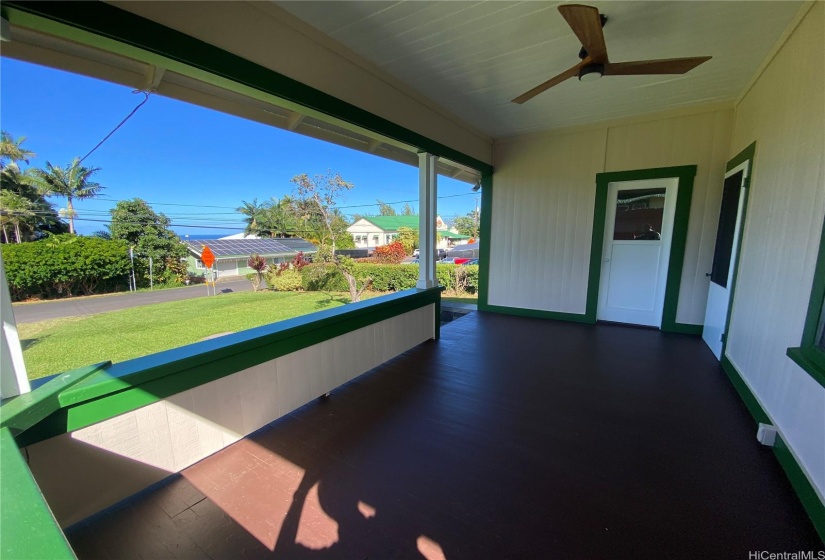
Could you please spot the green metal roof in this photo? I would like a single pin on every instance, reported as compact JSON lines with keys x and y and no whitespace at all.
{"x":392,"y":223}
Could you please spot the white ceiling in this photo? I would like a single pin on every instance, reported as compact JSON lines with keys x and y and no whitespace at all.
{"x":472,"y":58}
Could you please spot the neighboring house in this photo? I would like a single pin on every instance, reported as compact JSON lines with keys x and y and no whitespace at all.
{"x":374,"y":231}
{"x":231,"y":255}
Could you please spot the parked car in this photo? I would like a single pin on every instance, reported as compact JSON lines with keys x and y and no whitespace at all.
{"x":447,"y":261}
{"x":461,"y":260}
{"x":440,"y":253}
{"x":471,"y":261}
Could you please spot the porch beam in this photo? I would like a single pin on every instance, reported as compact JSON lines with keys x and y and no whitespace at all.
{"x":427,"y":192}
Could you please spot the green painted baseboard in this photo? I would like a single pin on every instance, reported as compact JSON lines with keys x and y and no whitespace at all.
{"x":536,"y":313}
{"x":681,"y":328}
{"x":801,"y":485}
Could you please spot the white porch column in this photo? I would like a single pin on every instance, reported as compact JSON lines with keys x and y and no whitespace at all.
{"x":13,"y":378}
{"x":426,"y":220}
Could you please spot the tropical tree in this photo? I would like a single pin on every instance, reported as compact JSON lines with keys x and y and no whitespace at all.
{"x":317,"y":198}
{"x":14,"y":211}
{"x":72,"y":182}
{"x":408,"y":210}
{"x":408,"y":238}
{"x":12,"y":151}
{"x":384,"y":209}
{"x":468,"y":225}
{"x":257,"y":263}
{"x":31,"y":219}
{"x":150,"y":234}
{"x":254,"y":215}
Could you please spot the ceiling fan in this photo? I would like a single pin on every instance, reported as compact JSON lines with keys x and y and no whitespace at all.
{"x":587,"y":23}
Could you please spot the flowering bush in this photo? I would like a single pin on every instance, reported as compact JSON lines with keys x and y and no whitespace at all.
{"x":295,"y":264}
{"x":393,"y":253}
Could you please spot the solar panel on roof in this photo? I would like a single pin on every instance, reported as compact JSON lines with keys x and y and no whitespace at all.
{"x":245,"y":247}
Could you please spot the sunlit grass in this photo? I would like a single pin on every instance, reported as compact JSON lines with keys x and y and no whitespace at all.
{"x":57,"y":345}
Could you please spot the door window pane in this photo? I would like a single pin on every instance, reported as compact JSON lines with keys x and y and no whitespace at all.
{"x":639,"y":214}
{"x":726,"y":232}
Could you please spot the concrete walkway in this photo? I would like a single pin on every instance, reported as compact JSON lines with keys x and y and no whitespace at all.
{"x":74,"y":307}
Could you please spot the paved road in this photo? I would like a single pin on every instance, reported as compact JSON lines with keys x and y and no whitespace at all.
{"x":32,"y":312}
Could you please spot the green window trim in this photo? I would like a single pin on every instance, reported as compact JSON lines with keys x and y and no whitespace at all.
{"x":685,"y":175}
{"x":808,"y":355}
{"x":86,"y":396}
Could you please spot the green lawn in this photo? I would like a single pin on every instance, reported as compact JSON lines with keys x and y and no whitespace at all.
{"x":58,"y":345}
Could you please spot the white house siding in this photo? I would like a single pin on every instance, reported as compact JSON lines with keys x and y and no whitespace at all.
{"x":112,"y":460}
{"x":784,"y":113}
{"x":543,"y":194}
{"x":543,"y":191}
{"x":362,"y":228}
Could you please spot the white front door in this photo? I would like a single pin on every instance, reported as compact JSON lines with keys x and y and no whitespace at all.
{"x":638,"y":231}
{"x":724,"y":258}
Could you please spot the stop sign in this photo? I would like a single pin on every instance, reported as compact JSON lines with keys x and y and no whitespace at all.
{"x":207,"y":257}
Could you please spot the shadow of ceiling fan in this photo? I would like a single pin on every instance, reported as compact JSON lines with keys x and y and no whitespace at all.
{"x":587,"y":23}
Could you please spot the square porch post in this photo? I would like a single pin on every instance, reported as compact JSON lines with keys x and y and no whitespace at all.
{"x":13,"y":378}
{"x":426,"y":220}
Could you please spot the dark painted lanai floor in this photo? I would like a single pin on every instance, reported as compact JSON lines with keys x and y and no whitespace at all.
{"x":508,"y":438}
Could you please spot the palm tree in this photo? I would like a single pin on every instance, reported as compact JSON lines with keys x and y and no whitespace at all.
{"x":14,"y":211}
{"x":11,"y":150}
{"x":72,"y":182}
{"x":254,"y":213}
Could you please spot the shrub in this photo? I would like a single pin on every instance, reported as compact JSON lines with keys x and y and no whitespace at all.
{"x":390,"y":277}
{"x":392,"y":253}
{"x":323,"y":277}
{"x":65,"y":265}
{"x":286,"y":281}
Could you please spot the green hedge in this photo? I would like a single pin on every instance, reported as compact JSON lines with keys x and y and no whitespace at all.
{"x":65,"y":265}
{"x":389,"y":277}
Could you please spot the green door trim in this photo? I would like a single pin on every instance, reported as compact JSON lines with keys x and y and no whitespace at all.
{"x":745,"y":155}
{"x":685,"y":175}
{"x":115,"y":30}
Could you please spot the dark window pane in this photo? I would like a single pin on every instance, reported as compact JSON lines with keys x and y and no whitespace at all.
{"x":639,"y":214}
{"x":726,"y":231}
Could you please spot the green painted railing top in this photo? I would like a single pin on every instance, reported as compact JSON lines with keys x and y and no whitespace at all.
{"x":28,"y":529}
{"x":24,"y":411}
{"x":327,"y":324}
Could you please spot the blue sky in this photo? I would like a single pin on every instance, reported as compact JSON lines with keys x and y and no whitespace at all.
{"x":173,"y":153}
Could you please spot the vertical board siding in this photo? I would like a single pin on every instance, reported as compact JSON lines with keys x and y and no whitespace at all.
{"x":784,"y":113}
{"x":114,"y":459}
{"x":544,"y":186}
{"x":541,"y":221}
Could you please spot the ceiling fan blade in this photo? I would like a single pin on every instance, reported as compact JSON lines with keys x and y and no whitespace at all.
{"x":663,"y":66}
{"x":587,"y":25}
{"x":555,"y":80}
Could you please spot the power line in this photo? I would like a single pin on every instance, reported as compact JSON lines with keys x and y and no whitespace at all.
{"x":115,"y":129}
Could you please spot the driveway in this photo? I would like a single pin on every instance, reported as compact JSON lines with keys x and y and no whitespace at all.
{"x":33,"y":312}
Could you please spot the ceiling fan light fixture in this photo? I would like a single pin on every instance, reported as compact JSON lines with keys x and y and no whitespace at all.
{"x":591,"y":72}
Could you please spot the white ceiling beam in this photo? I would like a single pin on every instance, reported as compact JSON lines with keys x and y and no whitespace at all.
{"x":153,"y":77}
{"x":293,"y":120}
